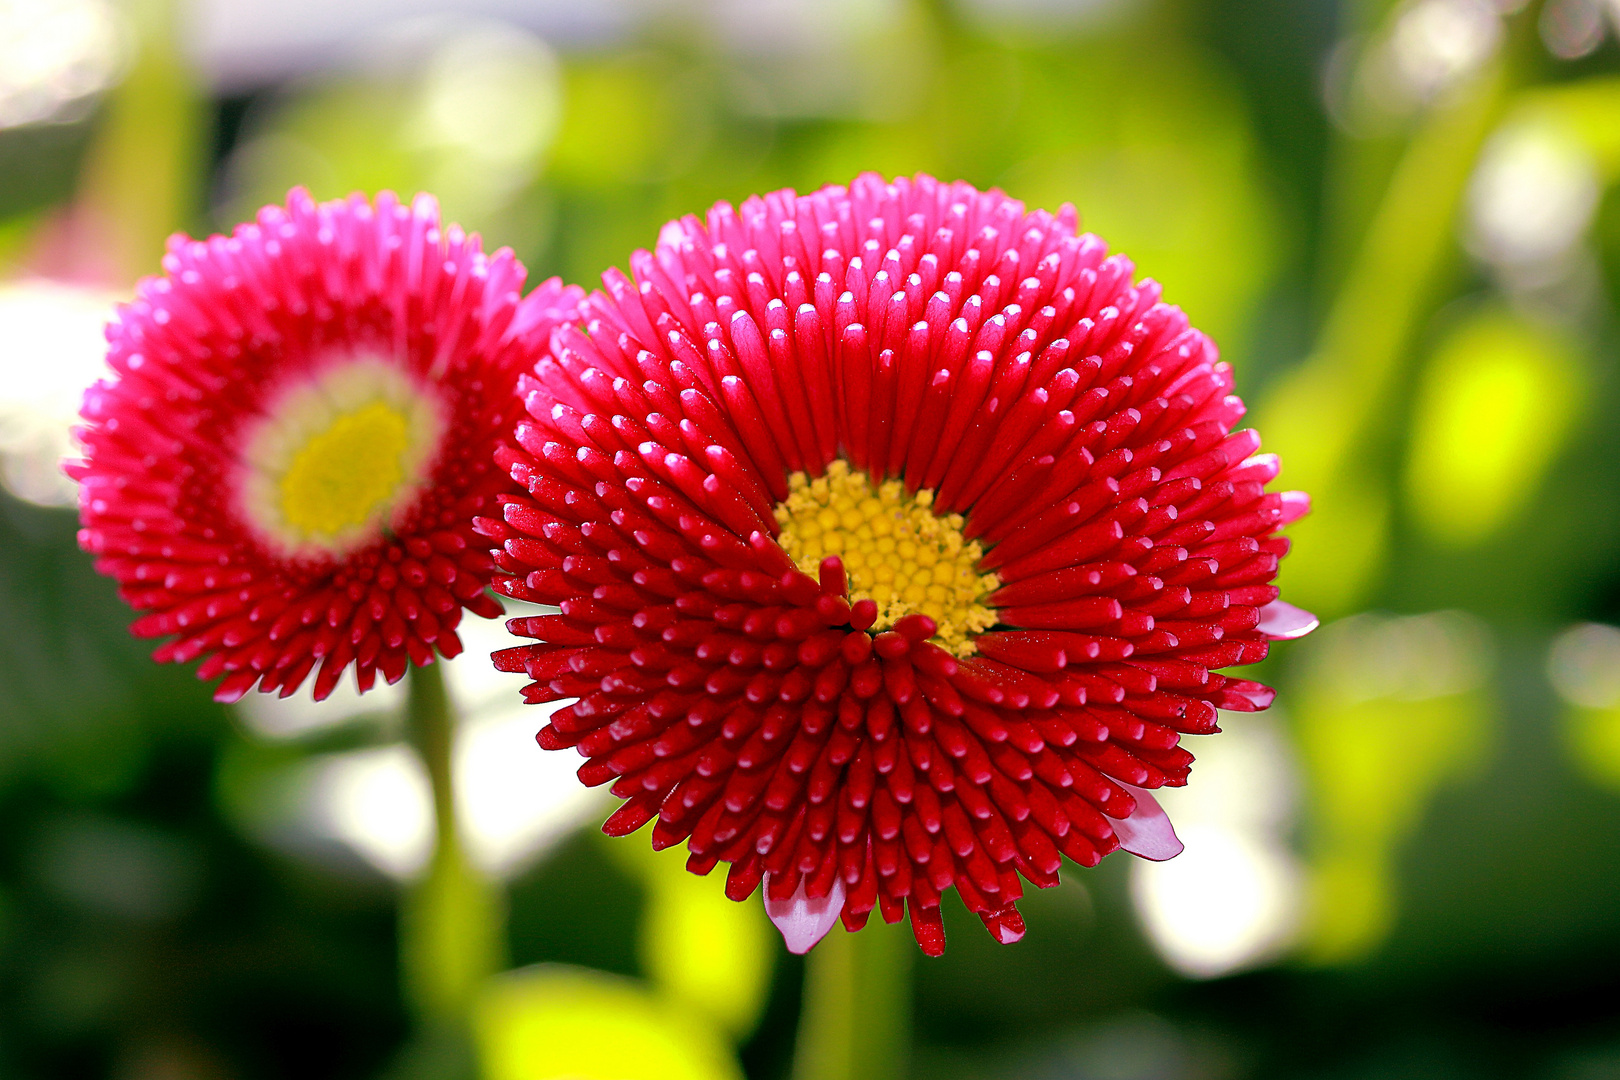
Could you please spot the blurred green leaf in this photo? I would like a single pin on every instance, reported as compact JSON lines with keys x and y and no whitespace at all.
{"x":1148,"y":142}
{"x":706,"y":952}
{"x":142,"y":177}
{"x":14,"y":236}
{"x":550,"y":1022}
{"x":1497,"y":401}
{"x":626,"y":118}
{"x":1588,"y":109}
{"x":1593,"y":735}
{"x":1387,"y":709}
{"x":1321,"y":416}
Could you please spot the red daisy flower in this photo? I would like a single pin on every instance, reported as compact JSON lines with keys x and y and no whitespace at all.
{"x":896,"y":535}
{"x":284,"y":469}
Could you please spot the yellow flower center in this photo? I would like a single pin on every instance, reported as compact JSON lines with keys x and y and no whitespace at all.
{"x":335,"y":458}
{"x":342,"y":475}
{"x":897,"y":552}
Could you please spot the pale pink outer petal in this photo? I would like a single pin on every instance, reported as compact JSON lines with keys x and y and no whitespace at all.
{"x":1147,"y":832}
{"x":1295,"y":505}
{"x":1259,"y":697}
{"x":803,"y":921}
{"x":1282,"y":621}
{"x":1005,"y":926}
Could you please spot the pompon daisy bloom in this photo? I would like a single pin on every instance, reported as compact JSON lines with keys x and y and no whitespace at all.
{"x":896,"y":536}
{"x":284,"y":468}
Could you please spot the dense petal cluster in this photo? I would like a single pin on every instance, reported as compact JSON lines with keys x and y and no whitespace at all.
{"x":283,"y":469}
{"x":1007,"y":372}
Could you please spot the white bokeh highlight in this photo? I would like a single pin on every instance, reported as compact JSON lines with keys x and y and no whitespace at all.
{"x":377,"y":801}
{"x":1436,"y":43}
{"x":1376,"y":82}
{"x":513,"y":799}
{"x":52,"y":346}
{"x":55,"y":55}
{"x":1531,"y":199}
{"x":1233,"y":898}
{"x":1572,"y":29}
{"x":1584,"y":665}
{"x":485,"y":107}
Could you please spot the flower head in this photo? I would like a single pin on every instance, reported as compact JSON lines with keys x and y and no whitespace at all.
{"x":283,"y":470}
{"x":896,"y":537}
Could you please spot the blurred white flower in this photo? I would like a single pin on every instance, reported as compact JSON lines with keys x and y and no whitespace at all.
{"x":1437,"y":42}
{"x":1373,"y":82}
{"x":513,"y":800}
{"x":51,"y":349}
{"x":1572,"y":28}
{"x":378,"y":802}
{"x":56,"y":54}
{"x":486,"y":106}
{"x":1532,"y":197}
{"x":1584,"y":665}
{"x":1232,"y":899}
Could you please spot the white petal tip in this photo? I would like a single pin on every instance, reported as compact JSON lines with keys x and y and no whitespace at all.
{"x":671,"y":235}
{"x":1147,"y":833}
{"x":803,"y":921}
{"x":1281,"y":621}
{"x":1295,"y":505}
{"x":1007,"y":934}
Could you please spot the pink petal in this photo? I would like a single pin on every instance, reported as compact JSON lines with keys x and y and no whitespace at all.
{"x":672,"y":234}
{"x":1261,"y":467}
{"x":1006,"y":925}
{"x":1250,"y":697}
{"x":1147,"y":832}
{"x":1281,"y":621}
{"x":803,"y":921}
{"x":1295,"y":505}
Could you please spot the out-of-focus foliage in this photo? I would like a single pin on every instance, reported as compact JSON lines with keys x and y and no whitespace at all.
{"x":699,"y":949}
{"x":1584,"y":666}
{"x":1493,"y":409}
{"x":1386,"y":710}
{"x":1401,"y":222}
{"x":464,"y":111}
{"x":856,"y":1016}
{"x":551,"y":1021}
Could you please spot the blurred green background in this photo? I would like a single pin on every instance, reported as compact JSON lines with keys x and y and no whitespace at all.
{"x":1400,"y":221}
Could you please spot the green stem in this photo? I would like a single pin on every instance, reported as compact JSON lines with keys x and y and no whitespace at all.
{"x":138,"y":180}
{"x":856,"y":1020}
{"x":431,"y":724}
{"x":452,"y":931}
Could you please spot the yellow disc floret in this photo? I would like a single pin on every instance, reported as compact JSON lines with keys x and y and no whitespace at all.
{"x":333,"y":458}
{"x":342,"y":475}
{"x":897,"y":552}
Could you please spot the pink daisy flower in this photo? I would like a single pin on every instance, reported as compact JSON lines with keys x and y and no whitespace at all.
{"x":283,"y":469}
{"x":897,"y":538}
